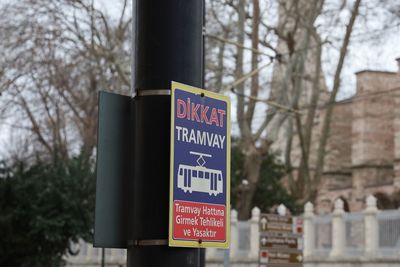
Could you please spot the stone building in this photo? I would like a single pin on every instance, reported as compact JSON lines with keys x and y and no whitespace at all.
{"x":364,"y":145}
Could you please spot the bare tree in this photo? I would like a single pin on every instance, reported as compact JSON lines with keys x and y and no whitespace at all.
{"x":55,"y":57}
{"x":304,"y":177}
{"x":296,"y":88}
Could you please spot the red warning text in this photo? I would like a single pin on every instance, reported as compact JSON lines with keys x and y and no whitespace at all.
{"x":199,"y":221}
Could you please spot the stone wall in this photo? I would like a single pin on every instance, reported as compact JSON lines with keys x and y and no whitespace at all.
{"x":363,"y":151}
{"x":338,"y":158}
{"x":372,"y":137}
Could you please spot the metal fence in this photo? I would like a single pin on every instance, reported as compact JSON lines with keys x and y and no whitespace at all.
{"x":322,"y":234}
{"x":369,"y":234}
{"x":243,"y":238}
{"x":90,"y":256}
{"x":354,"y":233}
{"x":389,"y":232}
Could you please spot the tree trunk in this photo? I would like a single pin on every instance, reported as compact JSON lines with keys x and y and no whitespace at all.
{"x":251,"y":174}
{"x":328,"y":117}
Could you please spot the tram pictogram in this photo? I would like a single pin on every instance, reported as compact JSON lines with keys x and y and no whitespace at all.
{"x":200,"y":178}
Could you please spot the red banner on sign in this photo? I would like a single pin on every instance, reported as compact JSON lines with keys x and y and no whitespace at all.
{"x":199,"y":221}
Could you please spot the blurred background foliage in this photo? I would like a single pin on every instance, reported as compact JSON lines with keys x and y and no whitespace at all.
{"x":45,"y":208}
{"x":270,"y":191}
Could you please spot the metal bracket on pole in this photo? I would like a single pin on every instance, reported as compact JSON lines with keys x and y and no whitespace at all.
{"x":150,"y":242}
{"x":153,"y":92}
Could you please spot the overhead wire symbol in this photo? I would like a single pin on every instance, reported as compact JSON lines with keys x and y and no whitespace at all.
{"x":200,"y":160}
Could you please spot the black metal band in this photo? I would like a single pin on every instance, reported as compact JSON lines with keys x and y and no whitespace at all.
{"x":151,"y":242}
{"x":153,"y":92}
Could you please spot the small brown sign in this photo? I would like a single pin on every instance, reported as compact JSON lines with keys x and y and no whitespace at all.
{"x":268,"y":241}
{"x":283,"y":265}
{"x":276,"y":223}
{"x":284,"y":257}
{"x":280,"y":241}
{"x":277,"y":218}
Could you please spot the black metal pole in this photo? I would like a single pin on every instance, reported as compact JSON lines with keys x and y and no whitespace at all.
{"x":103,"y":257}
{"x":167,"y":46}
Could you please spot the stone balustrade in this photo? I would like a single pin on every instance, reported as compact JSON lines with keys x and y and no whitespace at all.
{"x":367,"y":238}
